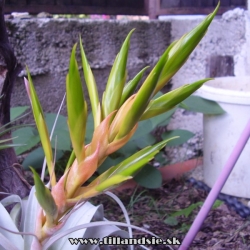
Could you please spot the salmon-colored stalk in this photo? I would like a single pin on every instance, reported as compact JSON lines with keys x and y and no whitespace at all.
{"x":80,"y":173}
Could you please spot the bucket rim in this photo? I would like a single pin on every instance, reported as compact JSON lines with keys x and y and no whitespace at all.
{"x":224,"y":95}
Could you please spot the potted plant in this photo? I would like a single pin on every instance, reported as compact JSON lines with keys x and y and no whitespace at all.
{"x":60,"y":209}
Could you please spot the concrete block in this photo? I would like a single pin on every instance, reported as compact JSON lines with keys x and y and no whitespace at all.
{"x":44,"y":45}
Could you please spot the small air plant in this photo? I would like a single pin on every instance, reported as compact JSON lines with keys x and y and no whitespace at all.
{"x":60,"y":210}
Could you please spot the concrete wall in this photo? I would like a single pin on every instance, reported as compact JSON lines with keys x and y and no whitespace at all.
{"x":45,"y":44}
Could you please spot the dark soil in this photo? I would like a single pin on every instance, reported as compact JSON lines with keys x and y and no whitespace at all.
{"x":222,"y":229}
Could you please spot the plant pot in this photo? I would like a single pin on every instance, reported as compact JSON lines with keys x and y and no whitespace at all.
{"x":168,"y":172}
{"x":221,"y":133}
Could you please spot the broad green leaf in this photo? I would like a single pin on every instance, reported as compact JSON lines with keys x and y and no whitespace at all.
{"x":61,"y":132}
{"x":45,"y":199}
{"x":131,"y":86}
{"x":144,"y":127}
{"x":145,"y":141}
{"x":113,"y":92}
{"x":180,"y":51}
{"x":163,"y":119}
{"x":36,"y":157}
{"x":28,"y":136}
{"x":149,"y":177}
{"x":128,"y":149}
{"x":142,"y":98}
{"x":17,"y":111}
{"x":91,"y":84}
{"x":169,"y":100}
{"x":184,"y":136}
{"x":76,"y":107}
{"x":161,"y":158}
{"x":198,"y":104}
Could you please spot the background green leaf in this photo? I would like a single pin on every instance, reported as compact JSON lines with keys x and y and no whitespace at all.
{"x":149,"y":177}
{"x":198,"y":104}
{"x":36,"y":157}
{"x":185,"y":135}
{"x":17,"y":111}
{"x":28,"y":136}
{"x":61,"y":132}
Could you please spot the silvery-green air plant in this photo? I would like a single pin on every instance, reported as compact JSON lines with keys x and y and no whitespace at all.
{"x":59,"y":210}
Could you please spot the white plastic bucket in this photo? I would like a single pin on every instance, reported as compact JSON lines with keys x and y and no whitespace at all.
{"x":221,"y":133}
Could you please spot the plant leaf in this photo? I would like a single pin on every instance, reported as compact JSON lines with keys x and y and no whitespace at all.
{"x":28,"y":221}
{"x":187,"y":211}
{"x":76,"y":107}
{"x":171,"y":99}
{"x":17,"y":111}
{"x":41,"y":125}
{"x":26,"y":135}
{"x":113,"y":92}
{"x":184,"y":136}
{"x":61,"y":132}
{"x":198,"y":104}
{"x":6,"y":222}
{"x":129,"y":167}
{"x":142,"y":98}
{"x":85,"y":213}
{"x":36,"y":157}
{"x":6,"y":243}
{"x":149,"y":177}
{"x":91,"y":85}
{"x":45,"y":199}
{"x":180,"y":50}
{"x":131,"y":86}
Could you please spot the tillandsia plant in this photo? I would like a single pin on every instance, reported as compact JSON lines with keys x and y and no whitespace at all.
{"x":116,"y":118}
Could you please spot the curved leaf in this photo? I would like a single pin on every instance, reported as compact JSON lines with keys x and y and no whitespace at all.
{"x":91,"y":85}
{"x":113,"y":92}
{"x":6,"y":222}
{"x":169,"y":100}
{"x":76,"y":107}
{"x":131,"y":86}
{"x":180,"y":51}
{"x":45,"y":199}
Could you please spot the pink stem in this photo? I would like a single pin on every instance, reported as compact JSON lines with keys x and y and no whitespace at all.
{"x":216,"y":188}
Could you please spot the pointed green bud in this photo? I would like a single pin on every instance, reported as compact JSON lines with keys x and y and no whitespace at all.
{"x":45,"y":199}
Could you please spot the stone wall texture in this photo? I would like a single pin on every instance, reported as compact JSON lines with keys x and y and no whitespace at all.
{"x":44,"y":45}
